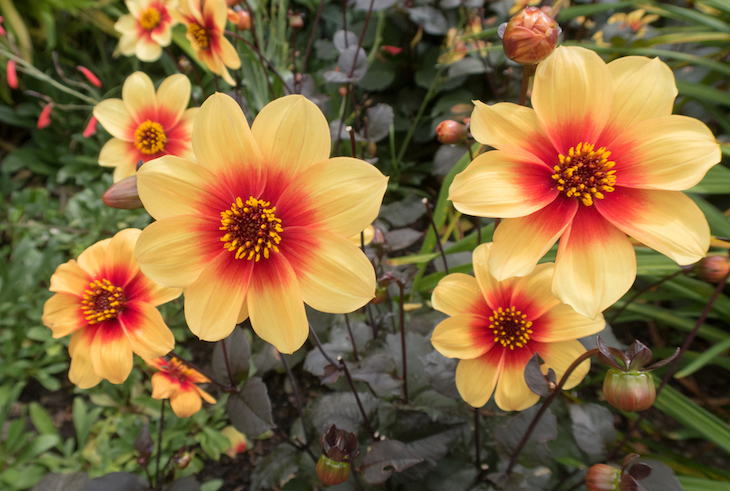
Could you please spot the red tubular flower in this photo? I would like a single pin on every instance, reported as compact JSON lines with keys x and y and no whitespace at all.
{"x":90,"y":128}
{"x":12,"y":75}
{"x":89,"y":76}
{"x":45,"y":118}
{"x":392,"y":50}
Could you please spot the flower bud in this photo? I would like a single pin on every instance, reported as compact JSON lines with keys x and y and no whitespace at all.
{"x":45,"y":118}
{"x":233,"y":16}
{"x":451,"y":131}
{"x":602,"y":477}
{"x":123,"y":194}
{"x":712,"y":268}
{"x":90,"y":128}
{"x":12,"y":74}
{"x":183,"y":460}
{"x":629,"y":391}
{"x":296,"y":21}
{"x":530,"y":36}
{"x":332,"y":472}
{"x":237,"y":439}
{"x":244,"y":20}
{"x":381,"y":294}
{"x":93,"y":79}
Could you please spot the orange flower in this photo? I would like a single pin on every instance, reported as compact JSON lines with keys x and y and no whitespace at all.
{"x":599,"y":157}
{"x":146,"y":28}
{"x":497,"y":326}
{"x":109,"y":306}
{"x":205,"y":26}
{"x":237,"y":439}
{"x":146,"y":125}
{"x":176,"y":381}
{"x":262,"y":223}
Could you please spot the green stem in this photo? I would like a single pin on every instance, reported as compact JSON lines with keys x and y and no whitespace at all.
{"x":421,"y":110}
{"x":378,"y":37}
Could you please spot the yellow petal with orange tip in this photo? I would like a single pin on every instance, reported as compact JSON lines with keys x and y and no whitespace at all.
{"x":559,"y":356}
{"x":292,"y":134}
{"x":476,"y":378}
{"x":458,"y":293}
{"x":220,"y":119}
{"x":148,"y":334}
{"x":367,"y":236}
{"x":204,"y":395}
{"x":173,"y":96}
{"x":114,"y":117}
{"x":213,"y":301}
{"x":121,"y":264}
{"x":275,"y":305}
{"x":595,"y":266}
{"x":497,"y":294}
{"x":111,"y":352}
{"x":463,"y":336}
{"x":138,"y":95}
{"x":342,"y":195}
{"x":186,"y":402}
{"x":81,"y":372}
{"x":164,"y":386}
{"x":70,"y":278}
{"x":62,"y":313}
{"x":333,"y":274}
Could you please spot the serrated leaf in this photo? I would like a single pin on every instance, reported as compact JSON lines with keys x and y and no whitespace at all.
{"x":388,"y":453}
{"x":250,"y":409}
{"x":432,"y":20}
{"x":536,"y":450}
{"x":441,"y":374}
{"x":340,"y":409}
{"x":239,"y":354}
{"x":662,"y":477}
{"x":466,"y":66}
{"x":592,"y":427}
{"x":276,"y":469}
{"x":401,"y":238}
{"x":377,"y":371}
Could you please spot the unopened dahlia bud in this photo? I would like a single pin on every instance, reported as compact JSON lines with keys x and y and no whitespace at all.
{"x":450,"y":132}
{"x":296,"y":21}
{"x":602,"y":477}
{"x":123,"y":194}
{"x":244,"y":20}
{"x":629,"y":391}
{"x":712,"y":268}
{"x":339,"y":449}
{"x":530,"y":36}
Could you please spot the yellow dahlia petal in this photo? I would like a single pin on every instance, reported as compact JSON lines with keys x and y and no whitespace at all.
{"x":213,"y":301}
{"x":519,"y":243}
{"x":458,"y":293}
{"x":114,"y":117}
{"x":186,"y":402}
{"x":148,"y":51}
{"x":532,"y":294}
{"x":342,"y":195}
{"x":292,"y":134}
{"x":243,"y":313}
{"x":93,"y":260}
{"x":63,"y":315}
{"x":121,"y":264}
{"x":125,"y":23}
{"x":596,"y":264}
{"x":275,"y":305}
{"x":334,"y":275}
{"x":668,"y":221}
{"x":173,"y":97}
{"x":70,"y":278}
{"x":229,"y":55}
{"x":149,"y":335}
{"x":463,"y":336}
{"x":559,"y":356}
{"x":502,"y":184}
{"x":562,"y":323}
{"x":496,"y":293}
{"x":476,"y":378}
{"x":572,"y":96}
{"x":111,"y":352}
{"x":122,"y":155}
{"x":138,"y":94}
{"x":164,"y":386}
{"x":203,"y":394}
{"x":223,"y":141}
{"x":512,"y":392}
{"x":81,"y":372}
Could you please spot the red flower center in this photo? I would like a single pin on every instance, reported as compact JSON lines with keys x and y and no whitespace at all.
{"x":199,"y":35}
{"x":150,"y":138}
{"x":510,"y":328}
{"x":585,"y":174}
{"x":102,"y":301}
{"x":149,"y":19}
{"x":251,"y":229}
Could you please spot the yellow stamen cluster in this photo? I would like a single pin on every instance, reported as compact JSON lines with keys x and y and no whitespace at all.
{"x":102,"y":301}
{"x":585,"y":173}
{"x":150,"y":138}
{"x":252,"y":229}
{"x":510,"y":328}
{"x":178,"y":369}
{"x":199,"y":36}
{"x":149,"y":19}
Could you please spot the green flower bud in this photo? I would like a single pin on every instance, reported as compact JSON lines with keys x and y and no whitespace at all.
{"x":602,"y":477}
{"x":332,"y":472}
{"x":629,"y":391}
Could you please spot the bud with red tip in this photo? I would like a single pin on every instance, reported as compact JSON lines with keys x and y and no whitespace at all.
{"x":244,"y":20}
{"x":339,"y":449}
{"x":12,"y":75}
{"x":451,"y":132}
{"x":89,"y":76}
{"x":530,"y":36}
{"x":628,"y":386}
{"x":90,"y":128}
{"x":2,"y":30}
{"x":712,"y":268}
{"x":602,"y":477}
{"x":391,"y":50}
{"x":45,"y":118}
{"x":123,"y":194}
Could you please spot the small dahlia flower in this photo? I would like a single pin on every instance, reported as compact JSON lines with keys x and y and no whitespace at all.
{"x":146,"y":29}
{"x":237,"y":439}
{"x":206,"y":21}
{"x":261,"y":224}
{"x":176,"y":381}
{"x":108,"y":304}
{"x":495,"y":327}
{"x":599,"y":157}
{"x":145,"y":124}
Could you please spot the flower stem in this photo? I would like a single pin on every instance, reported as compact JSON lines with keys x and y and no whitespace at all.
{"x":477,"y":443}
{"x":300,"y":410}
{"x":228,"y":365}
{"x":527,"y":72}
{"x":309,"y":43}
{"x":159,"y":445}
{"x":436,"y":233}
{"x":641,"y":292}
{"x":545,"y":405}
{"x":403,"y":342}
{"x":262,"y":59}
{"x":352,"y":338}
{"x":362,"y":38}
{"x":431,"y":92}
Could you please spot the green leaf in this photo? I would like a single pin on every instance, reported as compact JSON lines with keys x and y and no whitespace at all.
{"x":706,"y":331}
{"x":703,"y":92}
{"x":41,"y":420}
{"x":687,"y":15}
{"x":37,"y":446}
{"x":579,"y":10}
{"x":679,"y":407}
{"x":703,"y":359}
{"x":716,"y":181}
{"x":699,"y":484}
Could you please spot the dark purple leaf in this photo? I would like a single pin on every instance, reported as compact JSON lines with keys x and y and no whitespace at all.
{"x":628,"y":483}
{"x":143,"y":443}
{"x":250,"y":409}
{"x":628,"y":459}
{"x":239,"y":353}
{"x":331,"y":374}
{"x":386,"y":454}
{"x":663,"y":362}
{"x":534,"y":378}
{"x":640,"y":471}
{"x":605,"y":355}
{"x":639,"y":355}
